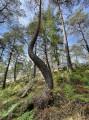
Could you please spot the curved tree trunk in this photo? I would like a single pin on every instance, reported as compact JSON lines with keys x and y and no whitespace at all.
{"x":65,"y":40}
{"x":34,"y":73}
{"x":38,"y":62}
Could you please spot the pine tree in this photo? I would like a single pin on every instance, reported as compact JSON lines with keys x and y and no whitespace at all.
{"x":79,"y":23}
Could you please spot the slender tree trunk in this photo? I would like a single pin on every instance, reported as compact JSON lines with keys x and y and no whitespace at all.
{"x":65,"y":40}
{"x":56,"y":57}
{"x":34,"y":74}
{"x":76,"y":60}
{"x":45,"y":51}
{"x":1,"y":53}
{"x":5,"y":75}
{"x":87,"y":46}
{"x":39,"y":63}
{"x":15,"y":70}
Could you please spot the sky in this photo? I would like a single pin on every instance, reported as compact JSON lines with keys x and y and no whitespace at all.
{"x":29,"y":12}
{"x":29,"y":16}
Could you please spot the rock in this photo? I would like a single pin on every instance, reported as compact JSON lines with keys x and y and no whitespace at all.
{"x":62,"y":68}
{"x":55,"y":71}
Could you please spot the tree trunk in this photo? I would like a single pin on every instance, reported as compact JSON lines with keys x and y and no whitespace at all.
{"x":15,"y":70}
{"x":65,"y":41}
{"x":1,"y":53}
{"x":34,"y":74}
{"x":45,"y":51}
{"x":38,"y":62}
{"x":76,"y":60}
{"x":56,"y":57}
{"x":5,"y":75}
{"x":87,"y":46}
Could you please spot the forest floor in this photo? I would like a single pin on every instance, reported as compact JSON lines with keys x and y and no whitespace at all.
{"x":70,"y":94}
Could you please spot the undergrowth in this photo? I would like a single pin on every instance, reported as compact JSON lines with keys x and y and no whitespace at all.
{"x":71,"y":86}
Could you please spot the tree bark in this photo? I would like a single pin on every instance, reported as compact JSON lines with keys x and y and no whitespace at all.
{"x":56,"y":57}
{"x":5,"y":75}
{"x":34,"y":74}
{"x":65,"y":41}
{"x":45,"y":51}
{"x":1,"y":53}
{"x":76,"y":60}
{"x":15,"y":70}
{"x":39,"y":63}
{"x":87,"y":46}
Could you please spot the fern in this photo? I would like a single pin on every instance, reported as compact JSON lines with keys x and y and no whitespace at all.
{"x":69,"y":91}
{"x":85,"y":99}
{"x":86,"y":87}
{"x":77,"y":96}
{"x":4,"y":114}
{"x":27,"y":116}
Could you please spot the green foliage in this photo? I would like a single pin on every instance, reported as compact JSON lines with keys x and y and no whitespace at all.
{"x":85,"y":99}
{"x":27,"y":116}
{"x":79,"y":76}
{"x":4,"y":113}
{"x":10,"y":91}
{"x":11,"y":94}
{"x":13,"y":9}
{"x":81,"y":97}
{"x":56,"y":90}
{"x":68,"y":91}
{"x":79,"y":17}
{"x":86,"y":87}
{"x":29,"y":97}
{"x":77,"y":52}
{"x":79,"y":23}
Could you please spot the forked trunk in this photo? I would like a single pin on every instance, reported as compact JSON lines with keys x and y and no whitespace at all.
{"x":38,"y":62}
{"x":65,"y":41}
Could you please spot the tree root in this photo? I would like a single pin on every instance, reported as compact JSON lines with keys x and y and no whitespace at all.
{"x":44,"y":100}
